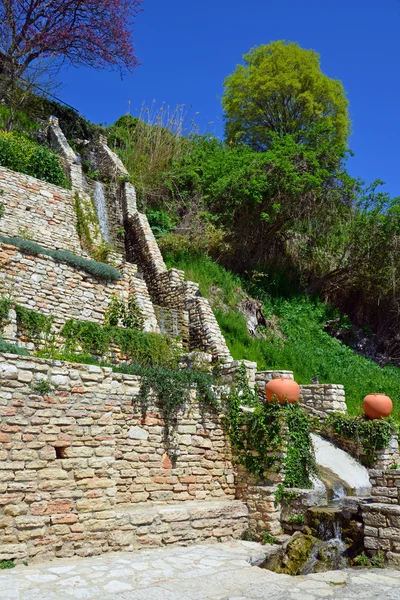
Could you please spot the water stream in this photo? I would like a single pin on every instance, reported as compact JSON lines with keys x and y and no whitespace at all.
{"x":101,"y":209}
{"x":168,"y":321}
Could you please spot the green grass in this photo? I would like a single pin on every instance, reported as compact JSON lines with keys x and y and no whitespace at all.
{"x":305,"y":347}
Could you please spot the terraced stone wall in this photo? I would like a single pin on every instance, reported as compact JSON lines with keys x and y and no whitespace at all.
{"x":65,"y":292}
{"x":83,"y":471}
{"x":38,"y":210}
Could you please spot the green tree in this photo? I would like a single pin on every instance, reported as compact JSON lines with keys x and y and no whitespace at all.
{"x":281,"y":89}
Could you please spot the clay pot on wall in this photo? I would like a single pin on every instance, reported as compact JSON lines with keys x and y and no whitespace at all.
{"x":377,"y":406}
{"x":282,"y":389}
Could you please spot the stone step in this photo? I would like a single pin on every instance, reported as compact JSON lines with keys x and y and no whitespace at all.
{"x":154,"y":524}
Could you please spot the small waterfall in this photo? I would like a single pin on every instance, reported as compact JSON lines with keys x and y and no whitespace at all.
{"x":168,"y":321}
{"x":101,"y":209}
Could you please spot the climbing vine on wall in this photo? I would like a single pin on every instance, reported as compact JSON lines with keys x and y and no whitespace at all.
{"x":88,"y":229}
{"x":269,"y":437}
{"x":169,"y":389}
{"x":366,"y":436}
{"x":141,"y":347}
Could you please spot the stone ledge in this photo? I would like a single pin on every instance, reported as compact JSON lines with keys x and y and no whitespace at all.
{"x":187,"y":522}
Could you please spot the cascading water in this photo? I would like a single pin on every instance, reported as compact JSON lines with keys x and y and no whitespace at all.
{"x":101,"y":209}
{"x":168,"y":321}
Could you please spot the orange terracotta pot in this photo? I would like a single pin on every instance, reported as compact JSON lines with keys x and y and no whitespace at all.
{"x":377,"y":406}
{"x":282,"y":389}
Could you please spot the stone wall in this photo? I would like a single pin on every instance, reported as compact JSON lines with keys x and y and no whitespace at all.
{"x":169,"y":289}
{"x":65,"y":292}
{"x":323,"y":397}
{"x":259,"y":497}
{"x":385,"y":485}
{"x":37,"y":209}
{"x":382,"y":531}
{"x":83,"y":470}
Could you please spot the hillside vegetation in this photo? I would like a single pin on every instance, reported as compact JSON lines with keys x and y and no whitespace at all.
{"x":298,"y":343}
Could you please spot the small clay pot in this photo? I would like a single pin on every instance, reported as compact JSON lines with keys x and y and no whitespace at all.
{"x":377,"y":406}
{"x":282,"y":389}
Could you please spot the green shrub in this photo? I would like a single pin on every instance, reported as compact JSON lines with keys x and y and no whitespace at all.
{"x":19,"y":153}
{"x":141,"y":347}
{"x":97,"y":269}
{"x":8,"y":348}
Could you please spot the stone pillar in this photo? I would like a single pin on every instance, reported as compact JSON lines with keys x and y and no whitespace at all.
{"x":70,"y":160}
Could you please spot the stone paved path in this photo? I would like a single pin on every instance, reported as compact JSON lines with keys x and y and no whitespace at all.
{"x":217,"y":572}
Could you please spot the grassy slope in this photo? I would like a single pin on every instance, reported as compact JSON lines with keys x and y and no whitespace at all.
{"x":307,"y":349}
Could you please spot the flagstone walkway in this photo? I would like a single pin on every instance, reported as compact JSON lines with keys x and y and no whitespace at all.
{"x":215,"y":572}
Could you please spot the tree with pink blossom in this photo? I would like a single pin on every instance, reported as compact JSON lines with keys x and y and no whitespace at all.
{"x":38,"y":36}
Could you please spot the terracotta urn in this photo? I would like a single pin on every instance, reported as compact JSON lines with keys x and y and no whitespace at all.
{"x":377,"y":406}
{"x":282,"y":389}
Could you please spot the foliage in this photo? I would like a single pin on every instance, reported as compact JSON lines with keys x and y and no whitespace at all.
{"x":41,"y":387}
{"x":253,"y":196}
{"x":284,"y":496}
{"x":148,"y":145}
{"x":281,"y":89}
{"x":118,"y":313}
{"x":367,"y":435}
{"x":34,"y":324}
{"x":361,"y":560}
{"x":95,"y":34}
{"x":23,"y":121}
{"x":141,"y":347}
{"x":97,"y":269}
{"x":271,"y":437}
{"x":7,"y":564}
{"x":297,"y":519}
{"x":19,"y":153}
{"x":267,"y":538}
{"x":88,"y":229}
{"x":160,"y":222}
{"x":8,"y":348}
{"x":170,"y":389}
{"x":5,"y":306}
{"x":377,"y":561}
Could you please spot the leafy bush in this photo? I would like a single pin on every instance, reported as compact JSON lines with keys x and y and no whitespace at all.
{"x":367,"y":435}
{"x":97,"y":269}
{"x":143,"y":348}
{"x":19,"y":153}
{"x":8,"y":348}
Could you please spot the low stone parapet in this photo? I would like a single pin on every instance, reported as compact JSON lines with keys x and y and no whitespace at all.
{"x":323,"y":397}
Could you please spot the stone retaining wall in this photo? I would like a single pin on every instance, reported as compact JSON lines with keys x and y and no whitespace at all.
{"x":169,"y":289}
{"x":65,"y":292}
{"x":74,"y":460}
{"x":38,"y":209}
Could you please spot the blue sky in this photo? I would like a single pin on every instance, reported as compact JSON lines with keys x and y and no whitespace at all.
{"x":188,"y":47}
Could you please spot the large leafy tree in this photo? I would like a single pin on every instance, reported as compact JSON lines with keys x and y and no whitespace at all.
{"x":281,"y":89}
{"x":95,"y":33}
